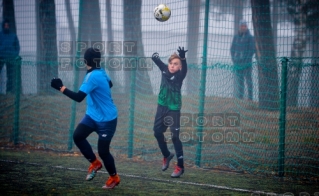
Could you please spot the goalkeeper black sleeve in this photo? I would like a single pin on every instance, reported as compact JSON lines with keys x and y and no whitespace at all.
{"x":79,"y":96}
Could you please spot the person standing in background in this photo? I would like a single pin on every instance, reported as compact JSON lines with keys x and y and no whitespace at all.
{"x":242,"y":50}
{"x":9,"y":54}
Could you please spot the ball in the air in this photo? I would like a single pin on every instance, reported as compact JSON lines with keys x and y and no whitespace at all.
{"x":162,"y":13}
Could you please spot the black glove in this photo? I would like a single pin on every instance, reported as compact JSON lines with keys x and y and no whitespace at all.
{"x":155,"y":56}
{"x":56,"y":83}
{"x":181,"y":52}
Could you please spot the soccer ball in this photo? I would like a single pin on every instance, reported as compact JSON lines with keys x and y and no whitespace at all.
{"x":162,"y":13}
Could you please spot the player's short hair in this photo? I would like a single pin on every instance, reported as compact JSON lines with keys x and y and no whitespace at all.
{"x":174,"y":56}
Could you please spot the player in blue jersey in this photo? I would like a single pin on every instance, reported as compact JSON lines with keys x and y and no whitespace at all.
{"x":100,"y":116}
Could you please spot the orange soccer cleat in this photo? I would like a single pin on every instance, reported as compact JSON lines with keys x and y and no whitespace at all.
{"x":112,"y":182}
{"x":94,"y":167}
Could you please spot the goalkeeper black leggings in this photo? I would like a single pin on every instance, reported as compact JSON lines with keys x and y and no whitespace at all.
{"x":165,"y":118}
{"x":80,"y":134}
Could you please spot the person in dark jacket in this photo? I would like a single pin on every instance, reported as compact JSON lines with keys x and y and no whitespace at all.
{"x":242,"y":51}
{"x":9,"y":54}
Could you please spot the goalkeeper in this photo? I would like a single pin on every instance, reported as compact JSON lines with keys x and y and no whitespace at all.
{"x":100,"y":117}
{"x":168,"y":109}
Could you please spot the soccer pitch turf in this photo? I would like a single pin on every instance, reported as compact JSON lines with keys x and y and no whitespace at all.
{"x":38,"y":172}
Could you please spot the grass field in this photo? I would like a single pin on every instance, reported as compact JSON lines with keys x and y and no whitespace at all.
{"x":44,"y":124}
{"x":26,"y":171}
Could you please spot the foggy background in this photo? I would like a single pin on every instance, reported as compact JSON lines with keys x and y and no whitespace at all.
{"x":161,"y":37}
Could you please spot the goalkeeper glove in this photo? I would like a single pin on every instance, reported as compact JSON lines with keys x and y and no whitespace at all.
{"x":155,"y":56}
{"x":56,"y":83}
{"x":181,"y":52}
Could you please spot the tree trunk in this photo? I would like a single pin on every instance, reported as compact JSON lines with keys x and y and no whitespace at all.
{"x":192,"y":82}
{"x":133,"y":32}
{"x":265,"y":52}
{"x":238,"y":14}
{"x":312,"y":8}
{"x":46,"y":44}
{"x":70,"y":21}
{"x":71,"y":26}
{"x":8,"y":13}
{"x":91,"y":22}
{"x":275,"y":21}
{"x":297,"y":50}
{"x":91,"y":30}
{"x":72,"y":31}
{"x":110,"y":37}
{"x":314,"y":73}
{"x":109,"y":20}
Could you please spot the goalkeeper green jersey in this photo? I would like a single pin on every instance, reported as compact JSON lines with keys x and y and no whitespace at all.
{"x":171,"y":83}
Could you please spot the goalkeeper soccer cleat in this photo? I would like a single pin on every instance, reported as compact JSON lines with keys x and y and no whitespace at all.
{"x":112,"y":182}
{"x":94,"y":167}
{"x":166,"y":161}
{"x":177,"y":172}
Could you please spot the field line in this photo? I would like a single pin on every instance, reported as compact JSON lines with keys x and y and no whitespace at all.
{"x":254,"y":192}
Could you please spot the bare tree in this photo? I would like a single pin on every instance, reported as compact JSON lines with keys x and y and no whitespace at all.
{"x":133,"y":32}
{"x":265,"y":52}
{"x":314,"y":77}
{"x":238,"y":14}
{"x":91,"y":21}
{"x":109,"y":20}
{"x":91,"y":31}
{"x":46,"y":44}
{"x":274,"y":19}
{"x":295,"y":8}
{"x":110,"y":36}
{"x":312,"y":10}
{"x":192,"y":83}
{"x":314,"y":73}
{"x":71,"y":25}
{"x":304,"y":14}
{"x":70,"y":20}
